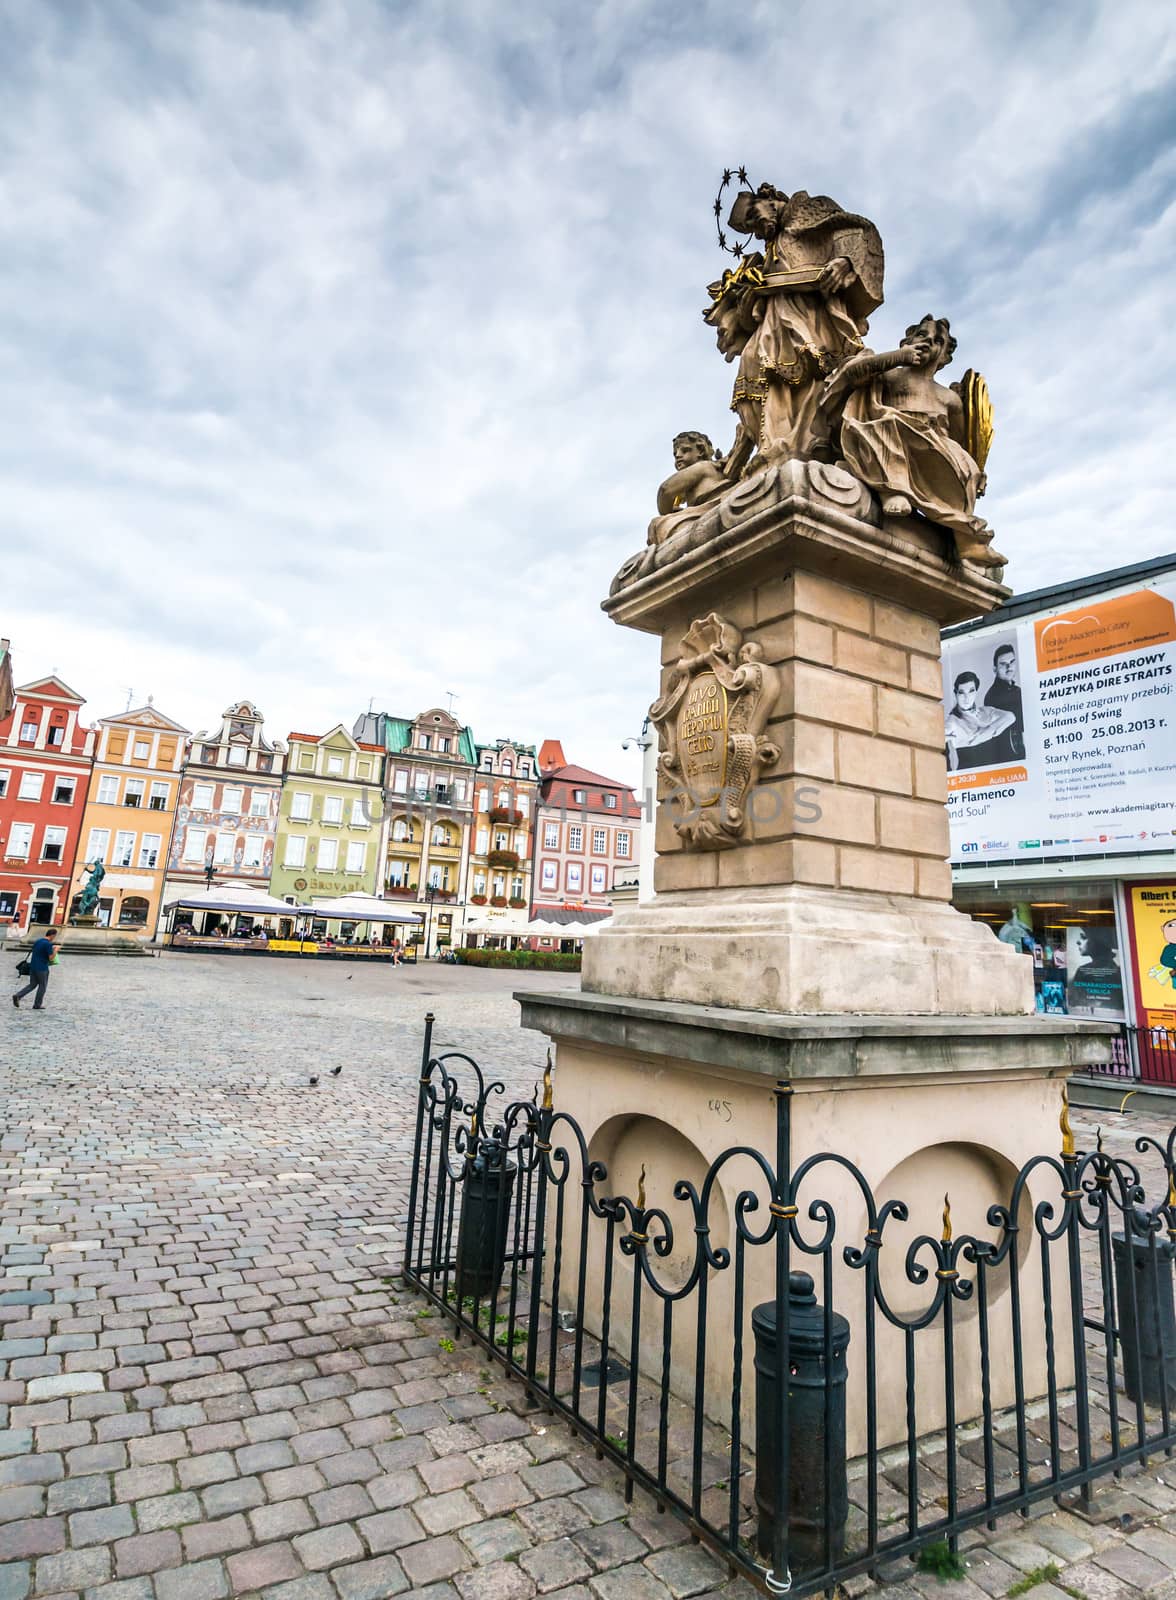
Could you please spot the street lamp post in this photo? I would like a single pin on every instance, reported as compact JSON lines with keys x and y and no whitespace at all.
{"x":431,"y":892}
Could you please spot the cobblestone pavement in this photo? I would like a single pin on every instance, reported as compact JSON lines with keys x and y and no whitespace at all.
{"x":210,"y":1382}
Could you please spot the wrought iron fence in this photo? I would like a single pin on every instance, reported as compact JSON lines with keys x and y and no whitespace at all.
{"x":1141,"y":1054}
{"x":931,"y":1387}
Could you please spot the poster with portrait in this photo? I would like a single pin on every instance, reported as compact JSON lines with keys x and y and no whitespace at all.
{"x":1094,"y":978}
{"x":1060,"y":731}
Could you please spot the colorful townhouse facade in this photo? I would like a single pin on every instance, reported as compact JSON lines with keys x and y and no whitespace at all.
{"x":587,"y":837}
{"x":499,"y":875}
{"x":330,"y":818}
{"x":130,"y":811}
{"x":430,"y":762}
{"x":45,"y":763}
{"x":230,"y":796}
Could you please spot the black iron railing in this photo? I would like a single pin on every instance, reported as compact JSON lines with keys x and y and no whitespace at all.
{"x":985,"y":1370}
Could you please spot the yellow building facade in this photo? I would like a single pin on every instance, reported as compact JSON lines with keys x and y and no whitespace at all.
{"x":129,"y":816}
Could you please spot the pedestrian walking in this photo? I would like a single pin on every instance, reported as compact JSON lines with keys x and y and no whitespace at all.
{"x":40,"y":958}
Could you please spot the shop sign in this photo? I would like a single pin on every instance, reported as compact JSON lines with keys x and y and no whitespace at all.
{"x":1061,"y":731}
{"x":1153,"y":935}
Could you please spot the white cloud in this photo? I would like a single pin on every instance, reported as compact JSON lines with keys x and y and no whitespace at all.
{"x":343,"y":342}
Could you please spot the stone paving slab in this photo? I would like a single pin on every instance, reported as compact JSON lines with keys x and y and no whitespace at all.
{"x":211,"y":1381}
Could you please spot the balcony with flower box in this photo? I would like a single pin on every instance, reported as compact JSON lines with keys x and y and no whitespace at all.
{"x":502,"y":858}
{"x":506,"y":815}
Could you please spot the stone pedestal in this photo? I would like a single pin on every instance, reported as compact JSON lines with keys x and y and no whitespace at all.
{"x":83,"y":936}
{"x":923,"y":1108}
{"x":837,"y":897}
{"x":803,"y":933}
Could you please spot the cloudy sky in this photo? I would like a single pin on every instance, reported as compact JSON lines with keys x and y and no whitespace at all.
{"x":342,"y":342}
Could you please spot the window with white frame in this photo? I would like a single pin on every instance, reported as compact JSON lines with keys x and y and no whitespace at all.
{"x":501,"y":839}
{"x":328,"y":855}
{"x":459,"y":788}
{"x":599,"y":841}
{"x":158,"y":798}
{"x":232,"y":802}
{"x":5,"y":779}
{"x":259,"y":803}
{"x":400,"y":781}
{"x":124,"y":848}
{"x":136,"y":789}
{"x":524,"y":769}
{"x":28,"y":732}
{"x":483,"y":799}
{"x":549,"y":875}
{"x":610,"y":802}
{"x":400,"y":831}
{"x":64,"y":790}
{"x":53,"y":844}
{"x":57,"y":734}
{"x":443,"y":745}
{"x":332,"y":809}
{"x":398,"y":872}
{"x":507,"y":766}
{"x":356,"y":854}
{"x":599,"y":880}
{"x":622,"y":843}
{"x":254,"y":847}
{"x":479,"y":883}
{"x":20,"y":841}
{"x":359,"y":814}
{"x":579,"y":796}
{"x":483,"y":841}
{"x":575,"y":877}
{"x":498,"y":886}
{"x":516,"y":888}
{"x":9,"y":900}
{"x":238,"y":755}
{"x":202,"y":794}
{"x":295,"y":851}
{"x":504,"y":799}
{"x":334,"y":765}
{"x":97,"y":844}
{"x":149,"y":847}
{"x":420,"y":782}
{"x":142,"y":749}
{"x":434,"y":877}
{"x":551,"y":835}
{"x":108,"y":790}
{"x":300,"y":806}
{"x":575,"y":836}
{"x":31,"y":784}
{"x":195,"y":840}
{"x":423,"y":741}
{"x":440,"y":834}
{"x":524,"y":805}
{"x":223,"y":854}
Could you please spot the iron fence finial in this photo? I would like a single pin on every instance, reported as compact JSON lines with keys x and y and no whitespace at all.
{"x":1068,"y":1148}
{"x":641,"y":1189}
{"x":947,"y":1235}
{"x":547,"y":1099}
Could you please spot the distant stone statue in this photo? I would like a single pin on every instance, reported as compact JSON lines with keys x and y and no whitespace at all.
{"x":697,"y":478}
{"x":88,"y":899}
{"x":907,"y":436}
{"x":807,"y":305}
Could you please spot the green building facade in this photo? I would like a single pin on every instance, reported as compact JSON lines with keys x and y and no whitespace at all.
{"x":330,"y":821}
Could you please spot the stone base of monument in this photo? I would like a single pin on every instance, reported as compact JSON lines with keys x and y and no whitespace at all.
{"x":84,"y":936}
{"x":924,"y":1107}
{"x":802,"y":949}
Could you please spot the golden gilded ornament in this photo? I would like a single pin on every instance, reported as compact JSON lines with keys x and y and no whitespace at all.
{"x":977,"y":404}
{"x":946,"y":1235}
{"x":1068,"y":1147}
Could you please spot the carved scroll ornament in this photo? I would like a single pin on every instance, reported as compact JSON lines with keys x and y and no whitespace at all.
{"x":711,"y":723}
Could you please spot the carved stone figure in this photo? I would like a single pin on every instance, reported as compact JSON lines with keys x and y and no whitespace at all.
{"x":907,"y":436}
{"x":88,"y":899}
{"x":697,"y":478}
{"x":808,"y":305}
{"x":711,"y":724}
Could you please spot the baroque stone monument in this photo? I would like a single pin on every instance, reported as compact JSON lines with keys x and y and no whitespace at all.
{"x":802,"y":926}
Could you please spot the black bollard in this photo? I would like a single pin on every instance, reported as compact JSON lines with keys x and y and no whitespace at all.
{"x":808,"y":1444}
{"x":1150,"y":1311}
{"x":485,"y":1217}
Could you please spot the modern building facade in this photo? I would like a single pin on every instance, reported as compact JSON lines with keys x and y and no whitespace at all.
{"x":330,"y":818}
{"x":587,"y":835}
{"x":230,"y":793}
{"x":130,"y":812}
{"x":45,"y":762}
{"x":499,"y":876}
{"x":429,"y":796}
{"x":1060,"y":721}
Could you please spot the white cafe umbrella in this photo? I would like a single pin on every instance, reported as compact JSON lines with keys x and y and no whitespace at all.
{"x":359,"y":908}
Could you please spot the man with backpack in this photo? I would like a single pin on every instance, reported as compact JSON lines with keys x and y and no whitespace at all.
{"x":40,"y":958}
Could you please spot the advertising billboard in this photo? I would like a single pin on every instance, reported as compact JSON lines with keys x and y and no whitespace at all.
{"x":1061,"y":731}
{"x":1153,"y":933}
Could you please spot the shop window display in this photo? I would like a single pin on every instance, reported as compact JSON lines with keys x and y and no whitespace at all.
{"x":1069,"y":932}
